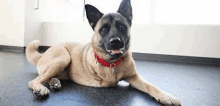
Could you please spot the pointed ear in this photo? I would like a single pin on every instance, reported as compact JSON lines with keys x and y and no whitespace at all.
{"x":93,"y":15}
{"x":126,"y":10}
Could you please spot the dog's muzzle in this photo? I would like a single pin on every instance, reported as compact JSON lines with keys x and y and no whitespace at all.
{"x":116,"y":46}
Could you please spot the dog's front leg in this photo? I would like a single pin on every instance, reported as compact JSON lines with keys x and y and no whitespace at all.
{"x":139,"y":83}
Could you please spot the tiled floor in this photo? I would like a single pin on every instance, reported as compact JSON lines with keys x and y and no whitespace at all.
{"x":195,"y":85}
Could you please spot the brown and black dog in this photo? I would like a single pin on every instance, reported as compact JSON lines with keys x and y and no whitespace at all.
{"x":101,"y":63}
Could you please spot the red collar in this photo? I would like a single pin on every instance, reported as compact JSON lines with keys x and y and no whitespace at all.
{"x":107,"y":64}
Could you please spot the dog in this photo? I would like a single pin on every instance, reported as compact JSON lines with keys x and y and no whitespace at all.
{"x":103,"y":62}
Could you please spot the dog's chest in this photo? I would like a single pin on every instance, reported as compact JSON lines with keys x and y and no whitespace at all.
{"x":108,"y":74}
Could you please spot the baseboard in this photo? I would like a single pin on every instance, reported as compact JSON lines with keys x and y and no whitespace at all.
{"x":175,"y":58}
{"x":20,"y":49}
{"x":138,"y":56}
{"x":12,"y":48}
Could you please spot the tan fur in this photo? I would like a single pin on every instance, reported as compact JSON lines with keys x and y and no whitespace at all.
{"x":84,"y":69}
{"x":31,"y":52}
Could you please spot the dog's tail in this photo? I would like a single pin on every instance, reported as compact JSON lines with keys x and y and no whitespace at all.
{"x":32,"y":53}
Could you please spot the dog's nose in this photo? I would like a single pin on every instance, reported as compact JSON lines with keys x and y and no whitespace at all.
{"x":115,"y":40}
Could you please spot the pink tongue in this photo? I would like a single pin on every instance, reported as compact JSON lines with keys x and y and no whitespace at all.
{"x":115,"y":51}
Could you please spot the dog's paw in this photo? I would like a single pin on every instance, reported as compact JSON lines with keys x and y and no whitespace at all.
{"x":168,"y":99}
{"x":55,"y":84}
{"x":42,"y":92}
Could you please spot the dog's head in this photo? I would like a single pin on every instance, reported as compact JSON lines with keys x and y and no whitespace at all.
{"x":111,"y":37}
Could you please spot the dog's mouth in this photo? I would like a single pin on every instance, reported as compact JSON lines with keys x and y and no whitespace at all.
{"x":116,"y":51}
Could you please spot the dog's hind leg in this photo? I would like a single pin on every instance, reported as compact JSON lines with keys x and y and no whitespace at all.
{"x":49,"y":72}
{"x":50,"y":65}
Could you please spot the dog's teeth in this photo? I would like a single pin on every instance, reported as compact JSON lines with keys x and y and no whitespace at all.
{"x":112,"y":53}
{"x":122,"y":48}
{"x":121,"y":51}
{"x":108,"y":50}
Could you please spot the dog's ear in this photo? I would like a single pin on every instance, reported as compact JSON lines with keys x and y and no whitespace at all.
{"x":126,"y":10}
{"x":93,"y":15}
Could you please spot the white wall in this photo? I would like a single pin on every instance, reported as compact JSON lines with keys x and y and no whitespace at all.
{"x":51,"y":11}
{"x":58,"y":32}
{"x":33,"y":22}
{"x":12,"y":22}
{"x":197,"y":12}
{"x":61,"y":10}
{"x":184,"y":40}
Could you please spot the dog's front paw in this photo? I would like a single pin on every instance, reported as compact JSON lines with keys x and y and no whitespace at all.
{"x":55,"y":84}
{"x":42,"y":92}
{"x":168,"y":99}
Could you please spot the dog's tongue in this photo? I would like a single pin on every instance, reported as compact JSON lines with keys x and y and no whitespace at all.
{"x":115,"y":51}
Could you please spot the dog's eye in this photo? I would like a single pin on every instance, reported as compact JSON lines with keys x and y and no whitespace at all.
{"x":105,"y":30}
{"x":121,"y":27}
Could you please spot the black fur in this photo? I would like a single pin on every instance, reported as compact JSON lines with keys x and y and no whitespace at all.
{"x":55,"y":84}
{"x":93,"y":15}
{"x":39,"y":95}
{"x":125,"y":10}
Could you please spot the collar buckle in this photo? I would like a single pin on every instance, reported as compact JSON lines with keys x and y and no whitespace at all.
{"x":112,"y":64}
